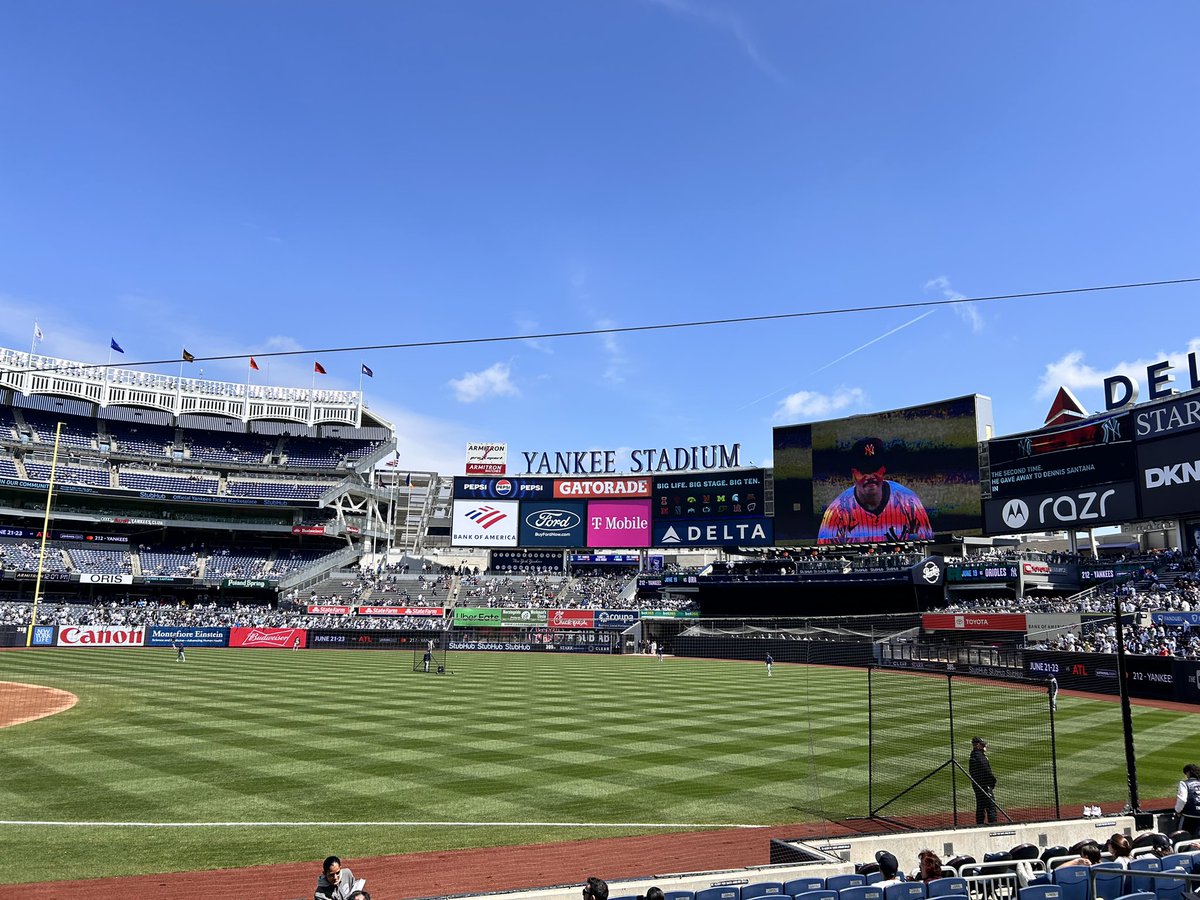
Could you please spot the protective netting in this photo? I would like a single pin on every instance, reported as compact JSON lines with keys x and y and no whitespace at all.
{"x":921,"y":769}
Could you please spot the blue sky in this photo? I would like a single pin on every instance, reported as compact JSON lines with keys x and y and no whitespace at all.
{"x":241,"y":177}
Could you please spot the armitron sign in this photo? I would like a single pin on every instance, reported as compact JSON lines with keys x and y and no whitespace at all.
{"x":486,"y":458}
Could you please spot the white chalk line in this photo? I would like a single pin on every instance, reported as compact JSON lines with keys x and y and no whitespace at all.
{"x":326,"y":824}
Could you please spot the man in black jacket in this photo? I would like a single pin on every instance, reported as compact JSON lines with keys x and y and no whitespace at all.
{"x":1187,"y":801}
{"x":983,"y":782}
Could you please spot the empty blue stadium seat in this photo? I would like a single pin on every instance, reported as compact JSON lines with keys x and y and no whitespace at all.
{"x":1185,"y":861}
{"x":822,"y":894}
{"x":804,"y":885}
{"x":762,"y":889}
{"x":1073,"y":880}
{"x":719,"y":893}
{"x":942,"y":887}
{"x":874,"y":877}
{"x":1111,"y":881}
{"x":1169,"y":888}
{"x":1139,"y":883}
{"x":860,"y":892}
{"x":1041,"y":892}
{"x":909,"y":890}
{"x":679,"y":895}
{"x":841,"y":882}
{"x":1137,"y":895}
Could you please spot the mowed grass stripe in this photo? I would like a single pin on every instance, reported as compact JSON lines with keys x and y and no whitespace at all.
{"x":256,"y":736}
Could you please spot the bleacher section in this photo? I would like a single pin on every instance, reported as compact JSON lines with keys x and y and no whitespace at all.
{"x":139,"y":480}
{"x":23,"y":556}
{"x":290,"y":490}
{"x":106,"y":562}
{"x":140,"y":440}
{"x":170,"y":562}
{"x":68,"y":474}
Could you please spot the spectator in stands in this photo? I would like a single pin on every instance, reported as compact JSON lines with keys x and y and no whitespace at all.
{"x":1089,"y":855}
{"x":983,"y":782}
{"x":654,"y":893}
{"x":889,"y":868}
{"x":595,"y":889}
{"x":929,"y":867}
{"x":360,"y":895}
{"x":1120,"y":848}
{"x":1187,"y":801}
{"x":336,"y":882}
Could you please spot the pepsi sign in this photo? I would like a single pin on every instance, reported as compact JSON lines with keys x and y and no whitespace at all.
{"x":558,"y":524}
{"x":503,"y":488}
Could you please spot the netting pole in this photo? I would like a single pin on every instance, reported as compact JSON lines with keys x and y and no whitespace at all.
{"x":37,"y":587}
{"x":954,"y":759}
{"x":1053,"y":756}
{"x":870,"y":745}
{"x":1126,"y":711}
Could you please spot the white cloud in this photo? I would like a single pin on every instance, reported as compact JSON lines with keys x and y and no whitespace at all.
{"x":494,"y":381}
{"x":616,"y":363}
{"x":426,"y":444}
{"x":726,"y":21}
{"x":814,"y":405}
{"x":968,"y":312}
{"x":1071,"y":371}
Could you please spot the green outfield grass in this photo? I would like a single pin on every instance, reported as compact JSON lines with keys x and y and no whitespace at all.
{"x":537,"y":742}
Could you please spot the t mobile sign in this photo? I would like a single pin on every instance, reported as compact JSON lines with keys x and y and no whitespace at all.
{"x":618,"y":523}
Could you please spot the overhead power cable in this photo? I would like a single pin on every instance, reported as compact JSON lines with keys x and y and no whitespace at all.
{"x":663,"y":326}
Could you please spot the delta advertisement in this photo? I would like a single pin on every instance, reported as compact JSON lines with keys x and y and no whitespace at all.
{"x":709,"y":495}
{"x":560,"y":524}
{"x":268,"y":638}
{"x":491,"y":523}
{"x":715,"y":533}
{"x":900,"y":476}
{"x":618,"y":523}
{"x":160,"y":636}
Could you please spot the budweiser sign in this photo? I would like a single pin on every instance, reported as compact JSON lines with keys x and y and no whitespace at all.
{"x":100,"y":636}
{"x":278,"y":638}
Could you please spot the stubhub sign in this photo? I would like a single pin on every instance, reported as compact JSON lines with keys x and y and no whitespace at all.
{"x":715,"y":533}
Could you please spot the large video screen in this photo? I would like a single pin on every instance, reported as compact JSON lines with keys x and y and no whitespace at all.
{"x":905,"y":475}
{"x":733,"y":493}
{"x":1098,"y":451}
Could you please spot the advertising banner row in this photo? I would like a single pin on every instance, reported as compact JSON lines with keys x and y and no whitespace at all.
{"x":709,"y":509}
{"x":1019,"y":622}
{"x":1140,"y":464}
{"x":1157,"y":677}
{"x":96,"y":578}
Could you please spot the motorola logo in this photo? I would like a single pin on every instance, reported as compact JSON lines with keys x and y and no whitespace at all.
{"x":1015,"y":514}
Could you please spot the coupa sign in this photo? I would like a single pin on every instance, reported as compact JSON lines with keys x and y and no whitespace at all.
{"x":100,"y":636}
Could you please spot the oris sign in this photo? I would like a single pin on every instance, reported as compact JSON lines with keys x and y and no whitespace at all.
{"x":1108,"y":504}
{"x":100,"y":636}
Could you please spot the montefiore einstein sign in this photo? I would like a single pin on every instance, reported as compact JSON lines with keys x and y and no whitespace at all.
{"x":651,"y":459}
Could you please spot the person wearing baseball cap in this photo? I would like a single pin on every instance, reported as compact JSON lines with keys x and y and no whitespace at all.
{"x":889,"y":868}
{"x":983,"y":782}
{"x":873,"y":509}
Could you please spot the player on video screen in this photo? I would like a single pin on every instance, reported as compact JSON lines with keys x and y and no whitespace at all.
{"x":874,"y":510}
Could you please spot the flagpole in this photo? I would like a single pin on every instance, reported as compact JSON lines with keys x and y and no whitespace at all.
{"x":408,"y":515}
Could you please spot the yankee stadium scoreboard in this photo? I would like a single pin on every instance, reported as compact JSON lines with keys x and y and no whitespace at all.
{"x":691,"y":509}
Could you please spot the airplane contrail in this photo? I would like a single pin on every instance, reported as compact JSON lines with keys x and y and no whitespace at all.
{"x":859,"y":348}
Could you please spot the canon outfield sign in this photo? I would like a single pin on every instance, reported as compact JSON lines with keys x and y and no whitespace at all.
{"x":100,"y":636}
{"x":1108,"y":504}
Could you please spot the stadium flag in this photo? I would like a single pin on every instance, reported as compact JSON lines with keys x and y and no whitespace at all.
{"x":253,"y":364}
{"x":394,"y":461}
{"x":319,"y":369}
{"x":188,"y":357}
{"x":37,"y":332}
{"x":113,"y":345}
{"x":408,"y":479}
{"x":366,"y":370}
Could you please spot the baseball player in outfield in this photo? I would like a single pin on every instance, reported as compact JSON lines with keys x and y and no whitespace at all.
{"x":874,"y":509}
